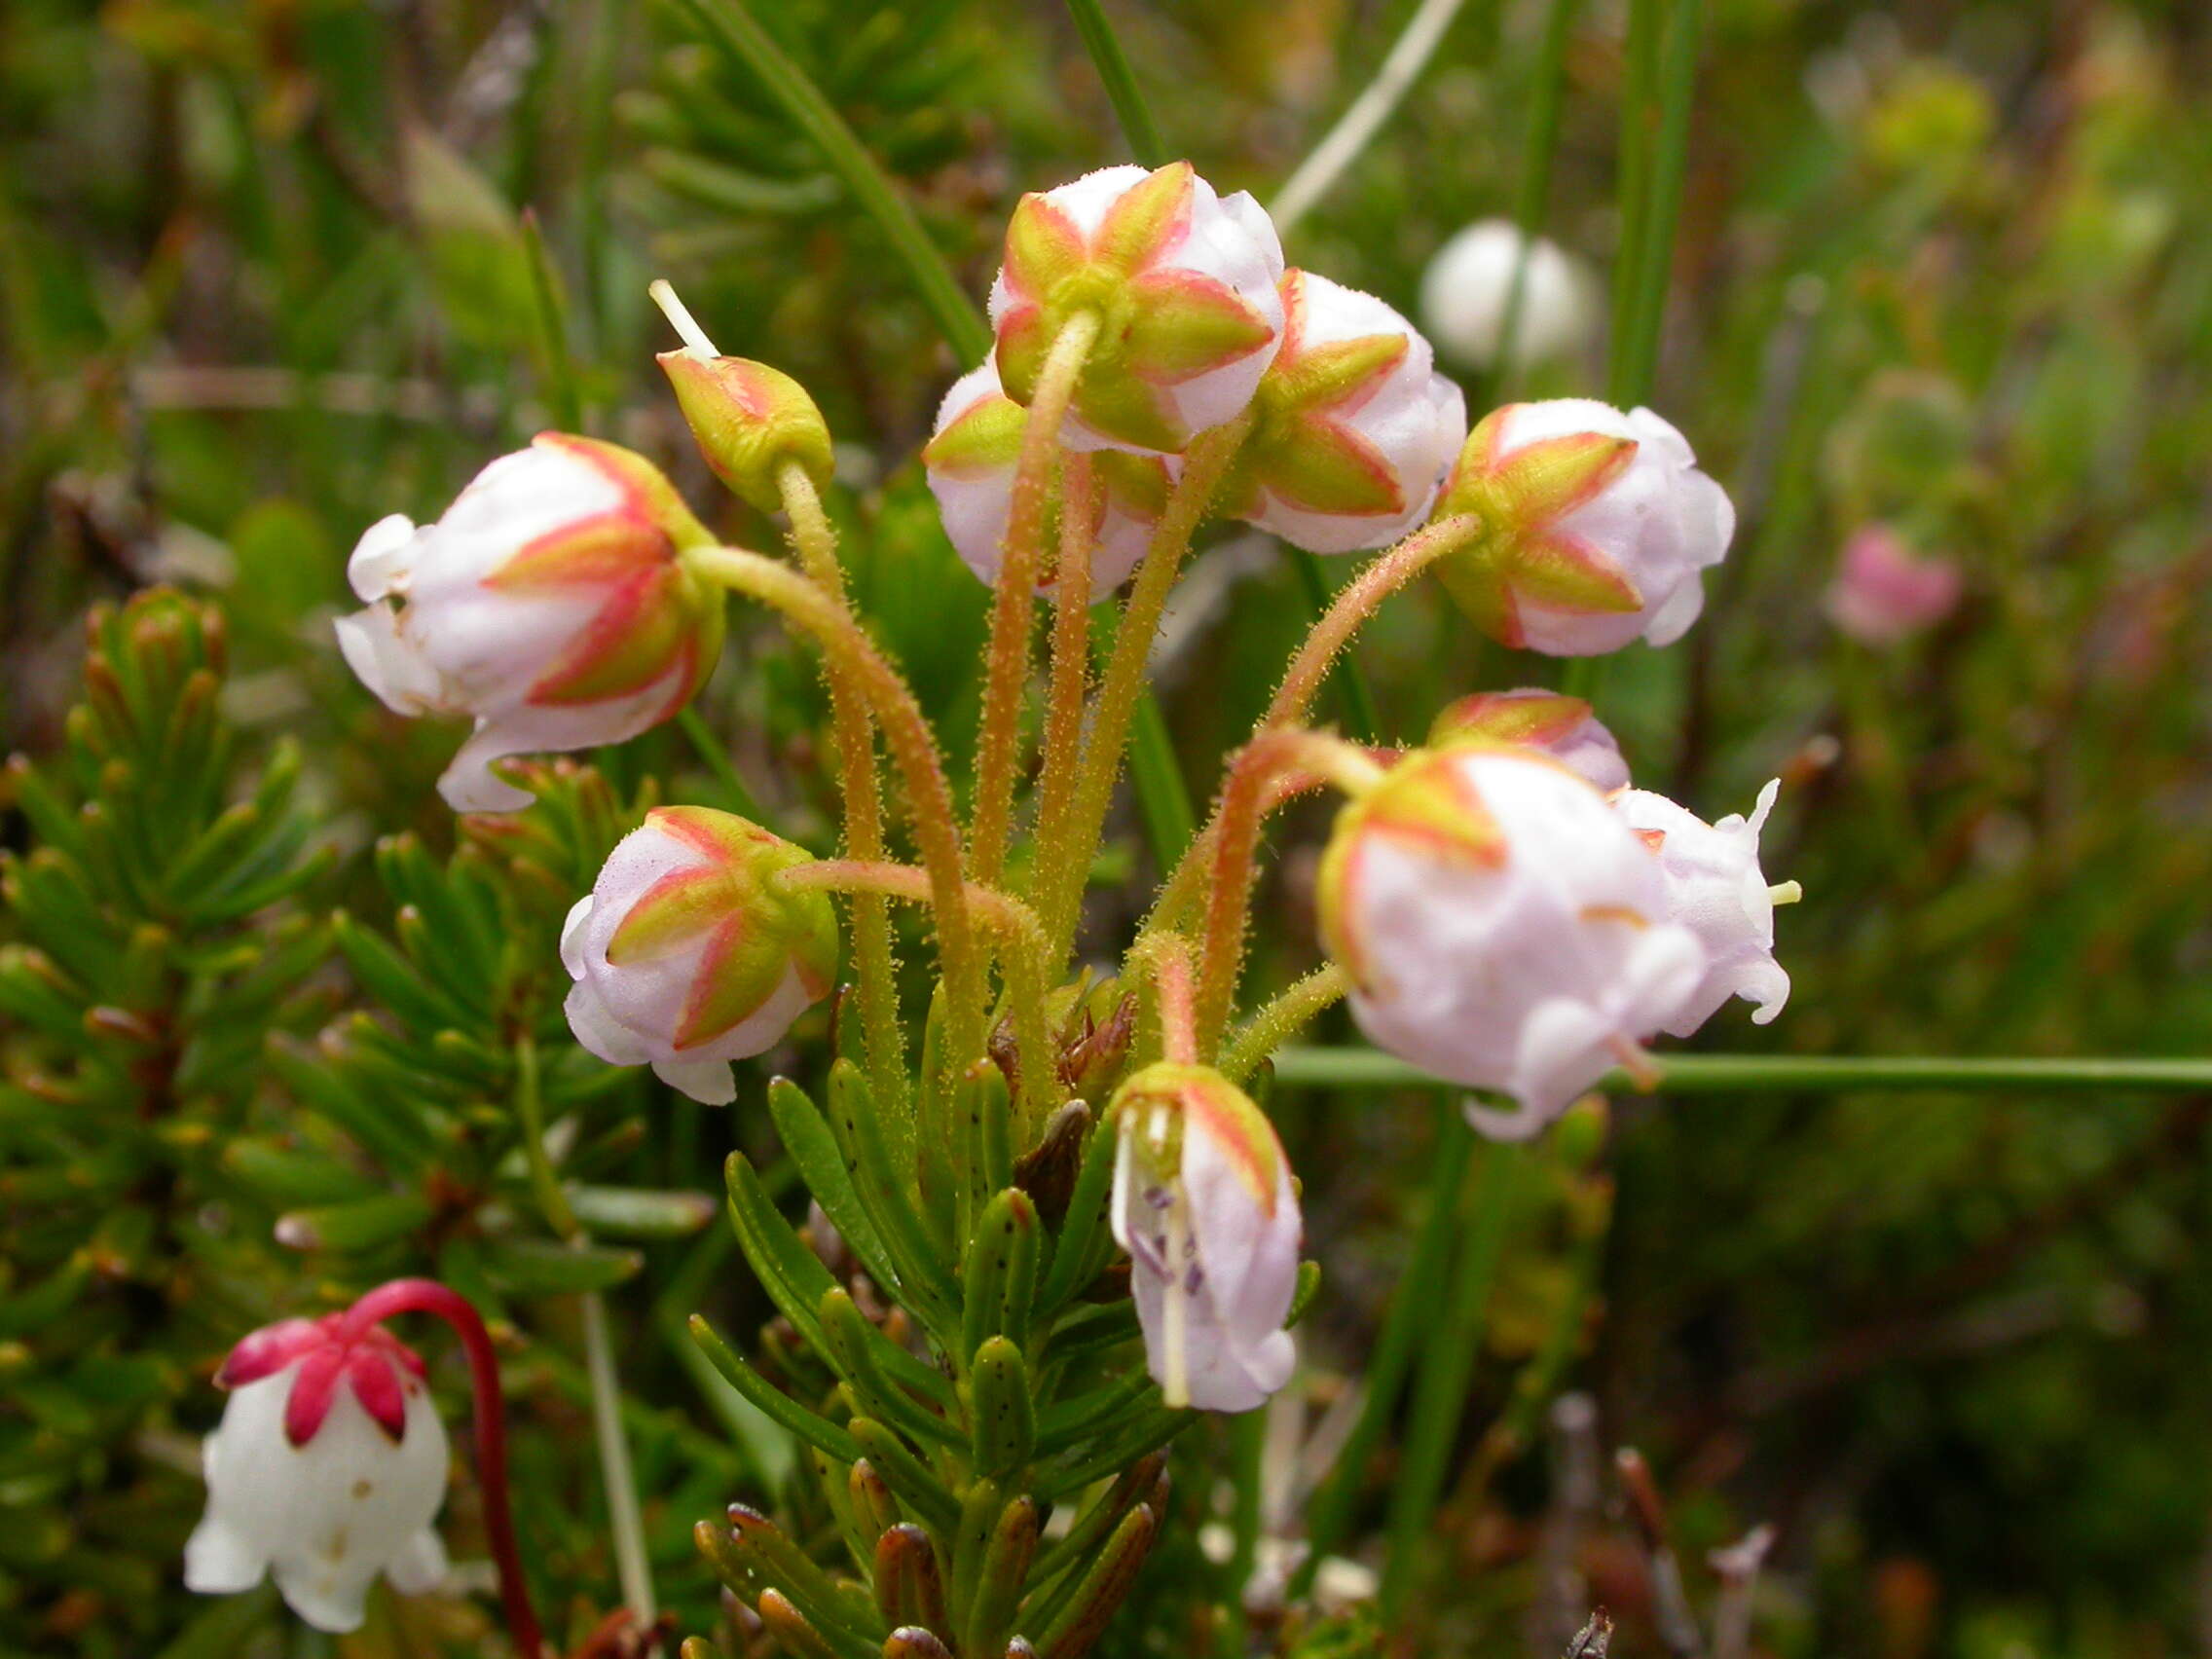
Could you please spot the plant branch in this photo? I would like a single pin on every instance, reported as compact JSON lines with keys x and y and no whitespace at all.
{"x":1282,"y":1018}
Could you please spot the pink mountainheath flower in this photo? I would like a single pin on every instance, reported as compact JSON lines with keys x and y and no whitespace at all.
{"x":551,"y":602}
{"x":686,"y":954}
{"x":1883,"y":592}
{"x":1596,"y":527}
{"x":1203,"y":1202}
{"x":1182,"y":282}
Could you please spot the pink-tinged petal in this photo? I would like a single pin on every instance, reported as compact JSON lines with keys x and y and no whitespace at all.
{"x":375,"y":1384}
{"x":313,"y":1387}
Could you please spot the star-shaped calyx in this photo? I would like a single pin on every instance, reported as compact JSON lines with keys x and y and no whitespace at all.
{"x":1306,"y":448}
{"x":1526,"y":555}
{"x":1181,"y":281}
{"x":650,"y":614}
{"x":747,"y":932}
{"x":380,"y":1369}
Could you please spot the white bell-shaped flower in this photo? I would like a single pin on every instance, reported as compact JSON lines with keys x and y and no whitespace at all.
{"x":327,"y":1469}
{"x":1354,"y":431}
{"x":1558,"y":725}
{"x":971,"y":464}
{"x":1716,"y":889}
{"x":1596,"y":525}
{"x":686,"y":954}
{"x":1467,"y":290}
{"x":551,"y":604}
{"x":1502,"y":927}
{"x":1204,"y":1203}
{"x":1182,"y":282}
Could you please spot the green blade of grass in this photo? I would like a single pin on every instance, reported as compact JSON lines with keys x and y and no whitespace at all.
{"x":1121,"y":90}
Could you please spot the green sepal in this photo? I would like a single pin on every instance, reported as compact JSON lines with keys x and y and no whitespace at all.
{"x":1002,"y":1420}
{"x":813,"y":1429}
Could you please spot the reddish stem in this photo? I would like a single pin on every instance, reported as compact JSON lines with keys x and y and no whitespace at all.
{"x":428,"y":1296}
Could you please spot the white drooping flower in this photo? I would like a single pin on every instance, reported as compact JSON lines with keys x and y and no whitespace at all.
{"x":1596,"y":525}
{"x":971,"y":463}
{"x":327,"y":1469}
{"x":1203,"y":1202}
{"x":1716,"y":889}
{"x":1182,"y":282}
{"x":1562,"y":726}
{"x":1468,"y":287}
{"x":686,"y":954}
{"x":1353,"y":428}
{"x":1502,"y":927}
{"x":551,"y":604}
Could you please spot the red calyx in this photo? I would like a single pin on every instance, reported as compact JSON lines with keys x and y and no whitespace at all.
{"x":369,"y":1360}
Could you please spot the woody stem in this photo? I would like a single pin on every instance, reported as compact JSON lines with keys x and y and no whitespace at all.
{"x":913,"y":750}
{"x":874,"y":968}
{"x":428,"y":1296}
{"x":1115,"y":703}
{"x":1079,"y":507}
{"x":1257,"y":765}
{"x":1021,"y":952}
{"x":1014,"y":599}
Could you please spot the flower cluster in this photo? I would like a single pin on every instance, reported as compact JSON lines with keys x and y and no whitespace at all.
{"x":1500,"y":906}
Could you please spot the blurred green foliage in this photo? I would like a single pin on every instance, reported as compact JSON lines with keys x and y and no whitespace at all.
{"x":1945,"y":267}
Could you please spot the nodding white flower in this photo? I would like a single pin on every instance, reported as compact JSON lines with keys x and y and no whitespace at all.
{"x":1184,"y":284}
{"x":1561,"y":726}
{"x":327,"y":1469}
{"x":1353,"y":427}
{"x":1714,"y":888}
{"x":1203,"y":1202}
{"x":551,"y":602}
{"x":1502,"y":927}
{"x":1596,"y":524}
{"x":1883,"y":591}
{"x":686,"y":954}
{"x":1468,"y":288}
{"x":971,"y":463}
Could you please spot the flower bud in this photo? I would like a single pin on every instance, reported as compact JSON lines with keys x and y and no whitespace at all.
{"x":687,"y":953}
{"x":971,"y":463}
{"x":1182,"y":282}
{"x":1596,"y":524}
{"x":1353,"y":427}
{"x":327,"y":1469}
{"x":1502,"y":927}
{"x":1714,"y":888}
{"x":1550,"y":722}
{"x":1203,"y":1202}
{"x":1882,"y":592}
{"x":551,"y":602}
{"x":749,"y":419}
{"x":1468,"y":288}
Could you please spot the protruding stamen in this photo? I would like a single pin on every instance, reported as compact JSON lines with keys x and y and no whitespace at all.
{"x":1175,"y":1387}
{"x":695,"y":338}
{"x":1634,"y":1061}
{"x":1786,"y":893}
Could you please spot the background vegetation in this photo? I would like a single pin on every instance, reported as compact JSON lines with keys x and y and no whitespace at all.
{"x":1941,"y":266}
